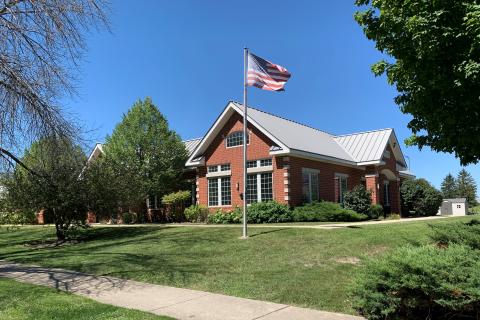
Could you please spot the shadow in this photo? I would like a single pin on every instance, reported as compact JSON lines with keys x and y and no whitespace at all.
{"x":354,"y":227}
{"x":267,"y":232}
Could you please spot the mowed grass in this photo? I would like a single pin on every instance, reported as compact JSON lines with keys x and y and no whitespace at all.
{"x":26,"y":301}
{"x":304,"y":267}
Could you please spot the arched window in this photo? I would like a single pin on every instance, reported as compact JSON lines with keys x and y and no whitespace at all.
{"x":235,"y":139}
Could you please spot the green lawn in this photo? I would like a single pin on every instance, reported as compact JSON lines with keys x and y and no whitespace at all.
{"x":304,"y":267}
{"x":26,"y":301}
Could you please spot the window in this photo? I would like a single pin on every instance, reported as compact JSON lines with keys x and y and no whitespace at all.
{"x":343,"y":184}
{"x":219,"y":192}
{"x":459,"y":206}
{"x":259,"y":187}
{"x":225,"y":167}
{"x":386,"y":195}
{"x":235,"y":139}
{"x":252,"y":164}
{"x":252,"y":188}
{"x":265,"y":162}
{"x":310,"y":185}
{"x":212,"y":192}
{"x":213,"y":169}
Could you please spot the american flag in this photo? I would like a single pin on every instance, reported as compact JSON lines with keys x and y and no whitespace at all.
{"x":266,"y":75}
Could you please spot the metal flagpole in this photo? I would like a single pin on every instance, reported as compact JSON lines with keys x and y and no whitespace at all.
{"x":245,"y":79}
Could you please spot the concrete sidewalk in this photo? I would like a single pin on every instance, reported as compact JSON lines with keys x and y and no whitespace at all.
{"x":174,"y":302}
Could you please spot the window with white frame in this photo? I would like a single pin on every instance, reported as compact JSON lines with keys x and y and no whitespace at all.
{"x":219,"y":191}
{"x":386,"y":193}
{"x":259,"y":163}
{"x":310,"y":186}
{"x":219,"y":168}
{"x":259,"y":187}
{"x":342,"y":184}
{"x":235,"y":139}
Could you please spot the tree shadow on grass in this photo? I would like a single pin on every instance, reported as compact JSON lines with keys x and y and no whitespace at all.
{"x":266,"y":232}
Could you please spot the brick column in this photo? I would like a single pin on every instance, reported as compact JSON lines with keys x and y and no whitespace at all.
{"x":372,"y":182}
{"x":41,"y":217}
{"x":286,"y":181}
{"x":395,"y":196}
{"x":91,"y":217}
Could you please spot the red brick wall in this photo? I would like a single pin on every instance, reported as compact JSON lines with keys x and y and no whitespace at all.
{"x":326,"y":178}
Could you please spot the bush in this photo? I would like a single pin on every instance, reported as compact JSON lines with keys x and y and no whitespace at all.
{"x":268,"y":212}
{"x":474,"y":210}
{"x":457,"y":233}
{"x":325,"y":211}
{"x":358,"y":200}
{"x":420,"y":283}
{"x":129,"y":217}
{"x":196,"y":213}
{"x":221,"y":217}
{"x":375,"y":211}
{"x":420,"y":198}
{"x":17,"y":218}
{"x":175,"y":203}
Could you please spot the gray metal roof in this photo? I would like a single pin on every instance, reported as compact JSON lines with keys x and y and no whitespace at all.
{"x":191,"y":144}
{"x":365,"y":146}
{"x":298,"y":136}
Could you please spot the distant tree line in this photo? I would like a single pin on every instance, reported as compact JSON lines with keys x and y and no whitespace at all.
{"x":463,"y":186}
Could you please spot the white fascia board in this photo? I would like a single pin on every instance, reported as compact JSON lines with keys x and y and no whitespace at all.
{"x":321,"y":158}
{"x":263,"y":130}
{"x":97,"y":150}
{"x":406,"y":175}
{"x":199,"y":163}
{"x":207,"y":139}
{"x":370,"y":163}
{"x":399,"y":152}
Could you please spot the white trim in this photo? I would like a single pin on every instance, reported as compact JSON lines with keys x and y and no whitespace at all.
{"x":240,"y":145}
{"x":286,"y":174}
{"x":341,"y":175}
{"x":372,"y":175}
{"x":287,"y":198}
{"x":368,"y":163}
{"x":260,"y":169}
{"x":219,"y":174}
{"x":320,"y":158}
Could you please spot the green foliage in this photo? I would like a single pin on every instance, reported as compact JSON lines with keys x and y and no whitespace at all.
{"x":419,"y":198}
{"x":466,"y":187}
{"x":268,"y":212}
{"x":220,"y":217}
{"x":56,"y":186}
{"x":145,"y":156}
{"x":375,"y":211}
{"x":176,"y":197}
{"x":17,"y":218}
{"x":475,"y":210}
{"x":358,"y":199}
{"x":325,"y":211}
{"x":420,"y":283}
{"x":449,"y":187}
{"x":434,"y":49}
{"x":130,"y":217}
{"x":457,"y":233}
{"x":196,"y":213}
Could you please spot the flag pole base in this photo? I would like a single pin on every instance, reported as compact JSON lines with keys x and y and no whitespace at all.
{"x":243,"y":237}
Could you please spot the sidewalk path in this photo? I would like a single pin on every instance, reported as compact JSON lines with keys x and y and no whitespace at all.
{"x":162,"y":300}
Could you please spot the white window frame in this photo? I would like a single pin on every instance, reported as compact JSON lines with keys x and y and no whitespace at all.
{"x":311,"y":172}
{"x":219,"y":172}
{"x":259,"y":186}
{"x":238,"y":145}
{"x":219,"y":192}
{"x":342,"y":176}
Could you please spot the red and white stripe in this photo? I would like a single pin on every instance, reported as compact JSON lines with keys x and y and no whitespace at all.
{"x":266,"y":75}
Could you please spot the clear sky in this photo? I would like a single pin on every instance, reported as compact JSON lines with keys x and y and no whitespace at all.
{"x":188,"y":56}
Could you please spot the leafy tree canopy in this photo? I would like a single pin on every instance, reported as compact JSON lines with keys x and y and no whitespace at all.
{"x":146,"y":156}
{"x":419,"y":198}
{"x":436,"y":68}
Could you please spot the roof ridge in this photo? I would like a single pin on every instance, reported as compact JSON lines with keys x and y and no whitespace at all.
{"x":274,"y":115}
{"x":355,"y":133}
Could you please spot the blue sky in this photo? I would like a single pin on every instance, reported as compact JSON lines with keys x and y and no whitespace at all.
{"x":188,"y":56}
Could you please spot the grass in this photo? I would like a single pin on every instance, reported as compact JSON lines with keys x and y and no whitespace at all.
{"x":304,"y":267}
{"x":26,"y":301}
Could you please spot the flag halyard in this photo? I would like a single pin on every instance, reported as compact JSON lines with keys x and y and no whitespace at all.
{"x":266,"y":75}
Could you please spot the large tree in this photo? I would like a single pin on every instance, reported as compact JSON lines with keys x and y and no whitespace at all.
{"x":449,"y":187}
{"x":435,"y":46}
{"x":467,"y":187}
{"x":41,"y":44}
{"x":146,"y":157}
{"x":56,"y":185}
{"x":419,"y":198}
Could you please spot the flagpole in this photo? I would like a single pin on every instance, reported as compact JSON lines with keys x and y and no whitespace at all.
{"x":245,"y":79}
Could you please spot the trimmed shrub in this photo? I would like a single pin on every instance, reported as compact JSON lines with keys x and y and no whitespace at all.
{"x":175,"y":203}
{"x":375,"y":211}
{"x":457,"y":233}
{"x":325,"y":211}
{"x":419,"y":198}
{"x":358,"y":199}
{"x":268,"y":212}
{"x":474,"y":210}
{"x":420,"y":283}
{"x":129,"y":217}
{"x":196,"y":213}
{"x":17,"y":218}
{"x":220,"y":217}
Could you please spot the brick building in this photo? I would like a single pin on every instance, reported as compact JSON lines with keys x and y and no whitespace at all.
{"x":292,"y":163}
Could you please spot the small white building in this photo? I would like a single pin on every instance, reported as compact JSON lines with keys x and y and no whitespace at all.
{"x":454,"y":207}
